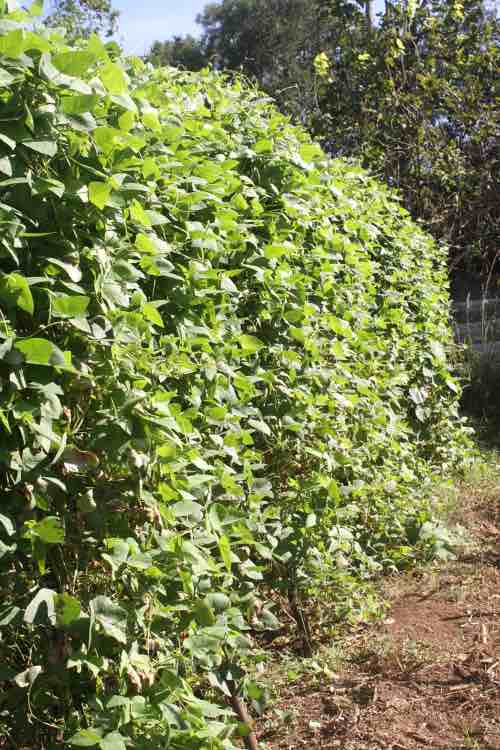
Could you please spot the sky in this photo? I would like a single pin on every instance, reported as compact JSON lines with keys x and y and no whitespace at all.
{"x":143,"y":21}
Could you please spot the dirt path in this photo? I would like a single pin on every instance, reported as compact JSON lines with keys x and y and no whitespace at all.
{"x":427,"y":676}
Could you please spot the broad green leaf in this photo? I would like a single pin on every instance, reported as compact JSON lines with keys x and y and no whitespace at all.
{"x":12,"y":43}
{"x":86,"y":738}
{"x":113,"y":741}
{"x":111,"y":617}
{"x":113,"y":78}
{"x":67,"y":608}
{"x":264,"y":146}
{"x":260,"y":425}
{"x":40,"y":352}
{"x":188,"y":508}
{"x":72,"y":271}
{"x":36,"y":9}
{"x":48,"y":148}
{"x":203,"y":614}
{"x":150,"y":120}
{"x":77,"y":105}
{"x":49,"y":530}
{"x":438,"y":351}
{"x":69,"y":305}
{"x":99,"y":193}
{"x":310,"y":152}
{"x":138,"y":214}
{"x":276,"y":251}
{"x":249,"y":343}
{"x":219,"y":602}
{"x":75,"y":63}
{"x":126,"y":121}
{"x":15,"y":291}
{"x":146,"y":244}
{"x":6,"y":79}
{"x":151,"y":313}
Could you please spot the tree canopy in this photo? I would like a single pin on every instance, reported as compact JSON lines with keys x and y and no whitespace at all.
{"x":81,"y":18}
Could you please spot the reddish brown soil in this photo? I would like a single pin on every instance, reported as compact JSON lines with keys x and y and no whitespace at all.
{"x":427,"y":676}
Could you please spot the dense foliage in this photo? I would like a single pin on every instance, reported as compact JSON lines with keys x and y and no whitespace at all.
{"x":415,"y":97}
{"x":182,"y":52}
{"x":223,"y":383}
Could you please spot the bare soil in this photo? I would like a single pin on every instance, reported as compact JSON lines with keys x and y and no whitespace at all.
{"x":427,"y":675}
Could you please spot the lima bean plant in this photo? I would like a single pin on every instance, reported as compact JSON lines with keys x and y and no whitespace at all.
{"x":224,"y":383}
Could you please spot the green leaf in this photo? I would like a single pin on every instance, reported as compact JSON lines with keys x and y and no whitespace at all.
{"x":15,"y":291}
{"x":77,"y":105}
{"x":111,"y":616}
{"x":151,"y":313}
{"x":99,"y":193}
{"x":6,"y":79}
{"x":250,"y":344}
{"x":188,"y":508}
{"x":86,"y":738}
{"x":69,"y":305}
{"x":49,"y":530}
{"x":36,"y":9}
{"x":113,"y":78}
{"x":12,"y":43}
{"x":219,"y":602}
{"x":138,"y":214}
{"x":73,"y":271}
{"x":310,"y":151}
{"x":48,"y":148}
{"x":204,"y":614}
{"x":264,"y":146}
{"x":225,"y":552}
{"x":126,"y":121}
{"x":75,"y":63}
{"x":113,"y":741}
{"x":67,"y":608}
{"x":260,"y":425}
{"x":41,"y":352}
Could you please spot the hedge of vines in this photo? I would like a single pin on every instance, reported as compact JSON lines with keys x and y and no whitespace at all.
{"x":224,"y":385}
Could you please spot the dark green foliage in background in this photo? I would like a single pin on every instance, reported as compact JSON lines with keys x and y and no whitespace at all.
{"x":223,"y":379}
{"x":183,"y":52}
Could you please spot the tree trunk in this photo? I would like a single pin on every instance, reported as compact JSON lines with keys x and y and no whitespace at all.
{"x":369,"y":15}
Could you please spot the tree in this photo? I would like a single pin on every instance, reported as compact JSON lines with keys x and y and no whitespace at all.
{"x":273,"y":42}
{"x":418,"y":103}
{"x":81,"y":18}
{"x":181,"y":52}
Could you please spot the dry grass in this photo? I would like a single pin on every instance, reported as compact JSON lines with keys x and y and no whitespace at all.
{"x":428,"y":674}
